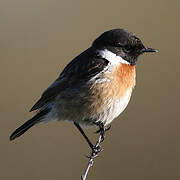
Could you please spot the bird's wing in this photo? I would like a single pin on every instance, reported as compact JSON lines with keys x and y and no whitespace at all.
{"x":78,"y":70}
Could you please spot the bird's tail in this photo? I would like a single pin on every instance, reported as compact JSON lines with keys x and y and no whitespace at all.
{"x":31,"y":122}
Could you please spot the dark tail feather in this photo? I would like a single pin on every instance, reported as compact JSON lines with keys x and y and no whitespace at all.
{"x":22,"y":129}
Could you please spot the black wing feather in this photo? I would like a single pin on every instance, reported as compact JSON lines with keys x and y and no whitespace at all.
{"x":82,"y":68}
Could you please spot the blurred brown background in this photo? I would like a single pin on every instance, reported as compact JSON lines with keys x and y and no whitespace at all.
{"x":38,"y":38}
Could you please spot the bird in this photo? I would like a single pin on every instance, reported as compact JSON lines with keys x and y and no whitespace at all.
{"x":95,"y":87}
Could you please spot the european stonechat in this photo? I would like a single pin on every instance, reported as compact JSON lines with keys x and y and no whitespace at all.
{"x":95,"y":87}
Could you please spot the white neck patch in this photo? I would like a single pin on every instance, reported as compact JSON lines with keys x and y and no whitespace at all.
{"x":111,"y":57}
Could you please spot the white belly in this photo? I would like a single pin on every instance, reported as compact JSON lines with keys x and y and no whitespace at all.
{"x":115,"y":108}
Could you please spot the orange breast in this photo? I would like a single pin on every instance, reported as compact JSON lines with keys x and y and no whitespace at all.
{"x":122,"y":79}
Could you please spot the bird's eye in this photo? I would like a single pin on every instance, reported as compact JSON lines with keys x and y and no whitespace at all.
{"x":118,"y":45}
{"x":127,"y":48}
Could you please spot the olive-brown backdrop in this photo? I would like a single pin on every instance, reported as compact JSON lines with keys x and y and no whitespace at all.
{"x":38,"y":38}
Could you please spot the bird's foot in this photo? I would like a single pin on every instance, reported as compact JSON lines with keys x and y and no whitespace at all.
{"x":106,"y":128}
{"x":95,"y":152}
{"x":102,"y":129}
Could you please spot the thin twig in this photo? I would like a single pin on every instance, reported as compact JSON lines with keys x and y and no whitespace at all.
{"x":94,"y":154}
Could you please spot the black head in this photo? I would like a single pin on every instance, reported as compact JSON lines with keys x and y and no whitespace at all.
{"x":123,"y":43}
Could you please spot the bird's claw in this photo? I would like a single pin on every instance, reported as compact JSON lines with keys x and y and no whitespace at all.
{"x":96,"y":149}
{"x":107,"y":128}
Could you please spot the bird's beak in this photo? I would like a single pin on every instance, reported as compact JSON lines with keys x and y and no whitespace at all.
{"x":147,"y":50}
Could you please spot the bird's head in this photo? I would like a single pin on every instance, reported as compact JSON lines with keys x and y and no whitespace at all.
{"x":123,"y":44}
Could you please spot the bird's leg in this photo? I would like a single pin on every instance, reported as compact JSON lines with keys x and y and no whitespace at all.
{"x":105,"y":129}
{"x":94,"y":154}
{"x":102,"y":129}
{"x":95,"y":149}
